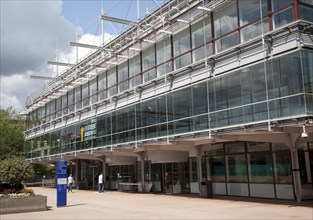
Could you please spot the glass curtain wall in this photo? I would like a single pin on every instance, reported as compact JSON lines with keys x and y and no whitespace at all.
{"x":232,"y":99}
{"x":206,"y":34}
{"x":252,"y":169}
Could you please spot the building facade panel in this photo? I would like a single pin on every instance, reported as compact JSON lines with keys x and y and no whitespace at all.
{"x":226,"y":84}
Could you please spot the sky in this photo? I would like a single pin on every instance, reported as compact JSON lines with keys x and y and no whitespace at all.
{"x":34,"y":31}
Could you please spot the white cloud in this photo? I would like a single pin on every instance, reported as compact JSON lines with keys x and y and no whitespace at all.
{"x":30,"y":33}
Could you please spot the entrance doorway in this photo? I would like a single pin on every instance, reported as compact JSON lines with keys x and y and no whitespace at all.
{"x":176,"y":178}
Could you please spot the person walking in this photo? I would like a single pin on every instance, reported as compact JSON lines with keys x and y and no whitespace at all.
{"x":70,"y":182}
{"x":100,"y":182}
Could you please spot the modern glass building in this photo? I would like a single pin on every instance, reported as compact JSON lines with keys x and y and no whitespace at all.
{"x":198,"y":91}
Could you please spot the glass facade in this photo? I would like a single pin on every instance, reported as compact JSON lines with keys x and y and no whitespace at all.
{"x":280,"y":87}
{"x":263,"y":89}
{"x":159,"y":54}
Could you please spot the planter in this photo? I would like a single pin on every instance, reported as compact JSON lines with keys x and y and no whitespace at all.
{"x":28,"y":204}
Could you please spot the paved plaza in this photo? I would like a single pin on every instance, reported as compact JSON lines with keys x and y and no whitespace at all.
{"x":121,"y":205}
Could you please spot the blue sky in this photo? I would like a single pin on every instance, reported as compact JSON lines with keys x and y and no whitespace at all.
{"x":34,"y":31}
{"x":86,"y":13}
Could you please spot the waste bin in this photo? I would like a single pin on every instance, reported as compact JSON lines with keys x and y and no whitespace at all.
{"x":206,"y":189}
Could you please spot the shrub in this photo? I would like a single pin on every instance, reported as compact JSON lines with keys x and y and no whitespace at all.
{"x":15,"y":170}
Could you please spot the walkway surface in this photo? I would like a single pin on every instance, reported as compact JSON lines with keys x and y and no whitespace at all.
{"x":121,"y":205}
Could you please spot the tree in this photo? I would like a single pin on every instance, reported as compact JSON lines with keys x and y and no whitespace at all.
{"x":12,"y":126}
{"x":15,"y":169}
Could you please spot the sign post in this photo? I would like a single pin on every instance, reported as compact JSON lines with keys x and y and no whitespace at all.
{"x":61,"y":167}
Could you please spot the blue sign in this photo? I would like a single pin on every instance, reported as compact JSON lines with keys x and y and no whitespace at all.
{"x":61,"y":170}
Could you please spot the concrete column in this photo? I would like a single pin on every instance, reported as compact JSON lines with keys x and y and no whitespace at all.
{"x":142,"y":155}
{"x":142,"y":168}
{"x":199,"y":152}
{"x":296,"y":173}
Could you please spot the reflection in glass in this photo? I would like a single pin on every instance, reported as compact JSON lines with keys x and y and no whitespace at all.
{"x":276,"y":4}
{"x":181,"y":42}
{"x":282,"y":166}
{"x":85,"y":95}
{"x":201,"y":32}
{"x":260,"y":168}
{"x":249,"y":11}
{"x":236,"y":169}
{"x":225,"y":20}
{"x":282,"y":18}
{"x":217,"y":168}
{"x":254,"y":30}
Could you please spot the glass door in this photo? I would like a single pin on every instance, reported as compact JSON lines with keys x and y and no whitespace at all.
{"x":168,"y":178}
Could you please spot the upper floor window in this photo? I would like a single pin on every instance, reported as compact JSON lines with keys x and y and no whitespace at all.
{"x":201,"y":35}
{"x":181,"y":44}
{"x":249,"y":11}
{"x":277,"y":4}
{"x":93,"y":90}
{"x":123,"y":77}
{"x":78,"y":97}
{"x":102,"y":86}
{"x":148,"y":58}
{"x":225,"y":19}
{"x":85,"y":94}
{"x":163,"y":52}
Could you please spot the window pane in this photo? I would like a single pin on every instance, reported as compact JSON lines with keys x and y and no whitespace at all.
{"x":306,"y":13}
{"x":284,"y":76}
{"x":123,"y":72}
{"x":71,"y":101}
{"x":181,"y":42}
{"x":112,"y":91}
{"x":310,"y":2}
{"x":149,"y":75}
{"x":85,"y":95}
{"x":148,"y":58}
{"x":260,"y":168}
{"x":182,"y":61}
{"x":134,"y":66}
{"x":226,"y":42}
{"x":112,"y":77}
{"x":64,"y":105}
{"x":225,"y":20}
{"x":163,"y":50}
{"x":123,"y":86}
{"x":217,"y":168}
{"x":307,"y":65}
{"x":254,"y":30}
{"x":237,"y":169}
{"x":201,"y":32}
{"x":93,"y":91}
{"x":135,"y":81}
{"x":282,"y":18}
{"x":249,"y":10}
{"x":202,"y":52}
{"x":182,"y":103}
{"x":276,"y":4}
{"x":200,"y":99}
{"x":282,"y":166}
{"x":163,"y":69}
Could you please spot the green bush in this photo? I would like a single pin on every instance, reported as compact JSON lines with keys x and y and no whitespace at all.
{"x":15,"y":169}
